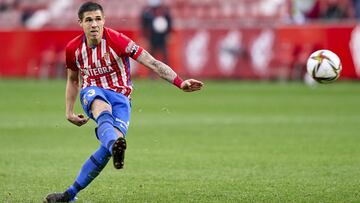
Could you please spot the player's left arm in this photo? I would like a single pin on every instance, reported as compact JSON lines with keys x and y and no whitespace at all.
{"x":165,"y":72}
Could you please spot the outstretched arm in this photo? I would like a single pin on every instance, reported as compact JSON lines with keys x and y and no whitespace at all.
{"x":165,"y":72}
{"x":72,"y":90}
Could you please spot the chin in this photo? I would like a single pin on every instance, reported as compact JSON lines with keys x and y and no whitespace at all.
{"x":91,"y":37}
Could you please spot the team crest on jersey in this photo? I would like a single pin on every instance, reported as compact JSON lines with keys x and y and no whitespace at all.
{"x":106,"y":58}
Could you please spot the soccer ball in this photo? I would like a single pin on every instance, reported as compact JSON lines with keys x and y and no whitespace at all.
{"x":324,"y":66}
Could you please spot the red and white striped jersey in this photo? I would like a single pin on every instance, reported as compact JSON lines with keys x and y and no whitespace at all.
{"x":106,"y":65}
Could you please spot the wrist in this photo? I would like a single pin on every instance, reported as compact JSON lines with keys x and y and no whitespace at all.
{"x":177,"y":81}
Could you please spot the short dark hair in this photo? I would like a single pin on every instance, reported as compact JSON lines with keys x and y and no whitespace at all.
{"x":89,"y":6}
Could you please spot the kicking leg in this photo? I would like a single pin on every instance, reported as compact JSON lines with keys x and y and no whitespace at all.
{"x":109,"y":136}
{"x":90,"y":170}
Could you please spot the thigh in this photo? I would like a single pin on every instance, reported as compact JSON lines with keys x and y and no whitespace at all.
{"x":94,"y":101}
{"x":121,"y":110}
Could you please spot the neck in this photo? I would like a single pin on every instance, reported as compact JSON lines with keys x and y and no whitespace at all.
{"x":93,"y":42}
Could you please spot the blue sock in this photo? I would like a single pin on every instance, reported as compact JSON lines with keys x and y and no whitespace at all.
{"x":106,"y":131}
{"x":90,"y":170}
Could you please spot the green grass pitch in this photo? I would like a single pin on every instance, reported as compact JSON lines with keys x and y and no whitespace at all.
{"x":231,"y":142}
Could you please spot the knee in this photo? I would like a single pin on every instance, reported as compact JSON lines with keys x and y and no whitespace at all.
{"x":105,"y":117}
{"x":99,"y":106}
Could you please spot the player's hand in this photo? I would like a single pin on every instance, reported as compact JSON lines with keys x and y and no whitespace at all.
{"x":191,"y":85}
{"x":78,"y":120}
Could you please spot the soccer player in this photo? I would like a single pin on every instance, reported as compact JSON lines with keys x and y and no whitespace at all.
{"x":100,"y":56}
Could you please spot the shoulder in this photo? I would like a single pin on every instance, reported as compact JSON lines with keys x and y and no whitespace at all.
{"x":114,"y":35}
{"x":117,"y":40}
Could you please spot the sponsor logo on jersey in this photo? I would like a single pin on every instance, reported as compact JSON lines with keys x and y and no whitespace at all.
{"x":98,"y":71}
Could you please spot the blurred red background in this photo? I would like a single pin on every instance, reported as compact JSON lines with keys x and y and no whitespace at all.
{"x":239,"y":39}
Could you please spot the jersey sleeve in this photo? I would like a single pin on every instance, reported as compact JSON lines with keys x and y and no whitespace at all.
{"x":70,"y":58}
{"x":129,"y":47}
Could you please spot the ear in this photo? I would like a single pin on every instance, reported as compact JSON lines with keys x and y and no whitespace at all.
{"x":80,"y":22}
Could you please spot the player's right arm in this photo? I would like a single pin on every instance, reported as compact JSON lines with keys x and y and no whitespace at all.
{"x":72,"y":90}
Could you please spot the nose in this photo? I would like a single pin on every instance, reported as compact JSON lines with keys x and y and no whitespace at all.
{"x":94,"y":23}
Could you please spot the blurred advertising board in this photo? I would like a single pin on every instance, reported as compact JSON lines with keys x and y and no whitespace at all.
{"x":278,"y":52}
{"x":263,"y":52}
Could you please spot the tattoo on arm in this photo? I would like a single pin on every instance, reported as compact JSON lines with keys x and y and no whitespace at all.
{"x":163,"y":70}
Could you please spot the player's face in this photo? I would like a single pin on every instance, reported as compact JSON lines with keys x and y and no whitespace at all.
{"x":93,"y":26}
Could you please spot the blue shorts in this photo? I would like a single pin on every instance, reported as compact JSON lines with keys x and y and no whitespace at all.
{"x":120,"y":105}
